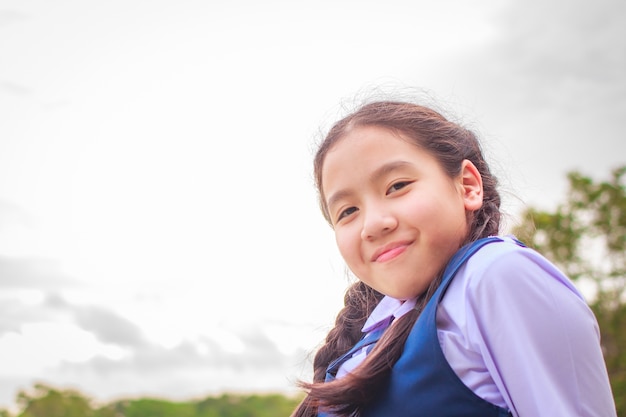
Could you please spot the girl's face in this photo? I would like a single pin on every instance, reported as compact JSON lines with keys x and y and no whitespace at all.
{"x":397,"y":216}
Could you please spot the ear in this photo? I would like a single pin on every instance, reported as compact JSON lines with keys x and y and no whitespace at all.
{"x":471,"y":185}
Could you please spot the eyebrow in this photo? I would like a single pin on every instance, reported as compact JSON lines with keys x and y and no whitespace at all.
{"x":375,"y":176}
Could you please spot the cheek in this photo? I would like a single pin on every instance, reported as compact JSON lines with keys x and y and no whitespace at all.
{"x":348,"y":245}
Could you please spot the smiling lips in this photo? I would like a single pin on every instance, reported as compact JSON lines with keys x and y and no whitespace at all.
{"x":390,"y":251}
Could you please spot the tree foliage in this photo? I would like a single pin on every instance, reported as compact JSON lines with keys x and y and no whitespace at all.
{"x":47,"y":401}
{"x":586,"y":237}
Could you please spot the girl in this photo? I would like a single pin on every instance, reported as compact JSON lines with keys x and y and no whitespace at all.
{"x":446,"y":318}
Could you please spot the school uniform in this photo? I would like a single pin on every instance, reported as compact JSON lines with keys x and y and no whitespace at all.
{"x":506,"y":333}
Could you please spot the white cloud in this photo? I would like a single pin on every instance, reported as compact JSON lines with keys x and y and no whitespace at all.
{"x":39,"y":346}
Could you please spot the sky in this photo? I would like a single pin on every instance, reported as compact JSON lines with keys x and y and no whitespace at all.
{"x":159,"y":228}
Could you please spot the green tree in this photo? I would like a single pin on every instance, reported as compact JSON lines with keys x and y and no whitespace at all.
{"x":49,"y":402}
{"x":228,"y":405}
{"x":150,"y":407}
{"x":586,"y":237}
{"x":45,"y":401}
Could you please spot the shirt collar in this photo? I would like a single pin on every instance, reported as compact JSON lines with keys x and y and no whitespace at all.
{"x":387,"y":309}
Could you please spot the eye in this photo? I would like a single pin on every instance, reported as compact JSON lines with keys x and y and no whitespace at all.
{"x":346,"y":212}
{"x":397,"y":186}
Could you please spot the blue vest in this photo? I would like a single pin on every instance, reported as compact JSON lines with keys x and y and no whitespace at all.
{"x":422,"y":383}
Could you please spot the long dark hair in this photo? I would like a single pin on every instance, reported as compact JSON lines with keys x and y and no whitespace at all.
{"x":450,"y":144}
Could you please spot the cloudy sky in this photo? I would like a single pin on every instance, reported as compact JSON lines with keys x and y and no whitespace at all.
{"x":159,"y":233}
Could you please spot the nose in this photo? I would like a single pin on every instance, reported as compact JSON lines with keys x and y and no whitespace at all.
{"x":377,"y":222}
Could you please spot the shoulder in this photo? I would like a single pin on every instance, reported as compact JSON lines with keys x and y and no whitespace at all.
{"x":525,"y":323}
{"x":512,"y":290}
{"x":506,"y":266}
{"x":505,"y":284}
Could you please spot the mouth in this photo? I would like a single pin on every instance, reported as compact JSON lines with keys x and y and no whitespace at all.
{"x":390,"y":251}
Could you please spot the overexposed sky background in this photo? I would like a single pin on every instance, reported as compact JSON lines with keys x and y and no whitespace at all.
{"x":159,"y":230}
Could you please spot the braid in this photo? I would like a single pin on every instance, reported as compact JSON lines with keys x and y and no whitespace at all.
{"x":359,"y":301}
{"x":348,"y":395}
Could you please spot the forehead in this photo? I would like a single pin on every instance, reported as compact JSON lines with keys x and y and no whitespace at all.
{"x":364,"y":150}
{"x":366,"y":142}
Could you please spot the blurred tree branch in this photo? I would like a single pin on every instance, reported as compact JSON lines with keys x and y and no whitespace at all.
{"x":586,"y":237}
